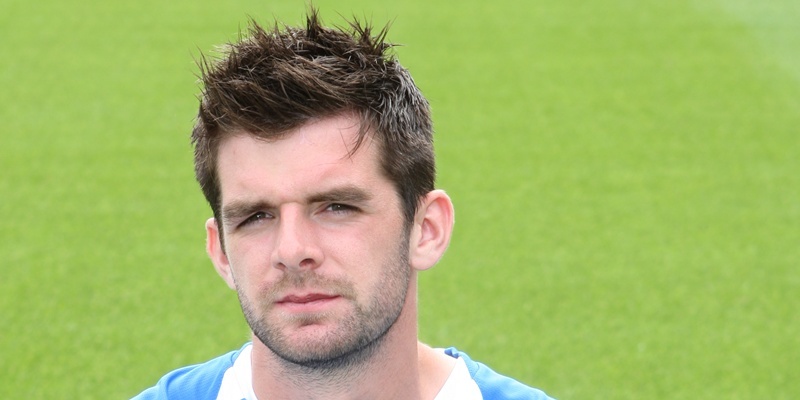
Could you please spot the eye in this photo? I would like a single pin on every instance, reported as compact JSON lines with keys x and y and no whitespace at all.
{"x":257,"y":217}
{"x":340,"y":208}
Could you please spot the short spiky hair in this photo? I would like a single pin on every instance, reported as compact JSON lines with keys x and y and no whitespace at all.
{"x":273,"y":81}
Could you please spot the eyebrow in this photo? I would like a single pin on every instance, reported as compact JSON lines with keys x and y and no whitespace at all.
{"x":241,"y":208}
{"x":345,"y":194}
{"x":238,"y":209}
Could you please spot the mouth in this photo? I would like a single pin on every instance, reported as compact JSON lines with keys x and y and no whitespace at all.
{"x":308,"y":303}
{"x":306,"y":298}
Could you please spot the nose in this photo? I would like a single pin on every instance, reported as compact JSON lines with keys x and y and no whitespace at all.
{"x":295,"y":242}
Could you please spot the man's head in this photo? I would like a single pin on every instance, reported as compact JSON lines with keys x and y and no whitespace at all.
{"x":314,"y":149}
{"x":277,"y":80}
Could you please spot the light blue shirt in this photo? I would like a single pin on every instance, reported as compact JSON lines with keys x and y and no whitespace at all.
{"x":218,"y":379}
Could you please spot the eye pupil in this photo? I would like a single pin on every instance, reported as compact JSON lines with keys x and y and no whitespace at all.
{"x":256,"y":217}
{"x":336,"y":207}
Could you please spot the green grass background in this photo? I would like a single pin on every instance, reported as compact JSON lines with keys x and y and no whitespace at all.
{"x":625,"y":175}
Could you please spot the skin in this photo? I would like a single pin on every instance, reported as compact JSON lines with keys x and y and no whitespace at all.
{"x":325,"y":267}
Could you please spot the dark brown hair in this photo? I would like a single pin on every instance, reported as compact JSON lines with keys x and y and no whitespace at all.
{"x":273,"y":81}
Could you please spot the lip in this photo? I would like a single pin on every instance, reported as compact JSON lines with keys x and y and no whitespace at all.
{"x":307,"y":302}
{"x":306,"y":298}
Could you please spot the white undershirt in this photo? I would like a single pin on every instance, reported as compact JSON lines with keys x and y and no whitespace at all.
{"x":459,"y":385}
{"x":237,"y":383}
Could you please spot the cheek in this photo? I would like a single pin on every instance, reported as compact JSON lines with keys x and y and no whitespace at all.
{"x":248,"y":263}
{"x":365,"y":255}
{"x":361,"y":242}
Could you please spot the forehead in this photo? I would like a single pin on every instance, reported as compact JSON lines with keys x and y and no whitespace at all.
{"x":312,"y":156}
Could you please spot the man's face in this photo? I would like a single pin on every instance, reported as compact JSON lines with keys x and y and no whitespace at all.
{"x":315,"y":243}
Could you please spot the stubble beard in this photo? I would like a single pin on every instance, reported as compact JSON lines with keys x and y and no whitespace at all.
{"x":358,"y":335}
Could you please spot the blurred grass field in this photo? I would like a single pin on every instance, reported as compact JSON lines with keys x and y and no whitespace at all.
{"x":625,"y":175}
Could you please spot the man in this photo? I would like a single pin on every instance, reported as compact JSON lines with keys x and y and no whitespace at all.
{"x":314,"y":150}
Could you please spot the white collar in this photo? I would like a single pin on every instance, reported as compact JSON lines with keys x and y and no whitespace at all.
{"x":237,"y":382}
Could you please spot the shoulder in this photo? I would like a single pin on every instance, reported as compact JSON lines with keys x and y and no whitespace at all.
{"x":194,"y":382}
{"x":494,"y":386}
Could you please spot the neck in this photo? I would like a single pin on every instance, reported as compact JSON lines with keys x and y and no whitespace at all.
{"x":388,"y":369}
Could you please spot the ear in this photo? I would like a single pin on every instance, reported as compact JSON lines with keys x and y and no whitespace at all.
{"x":433,"y":227}
{"x":217,"y":253}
